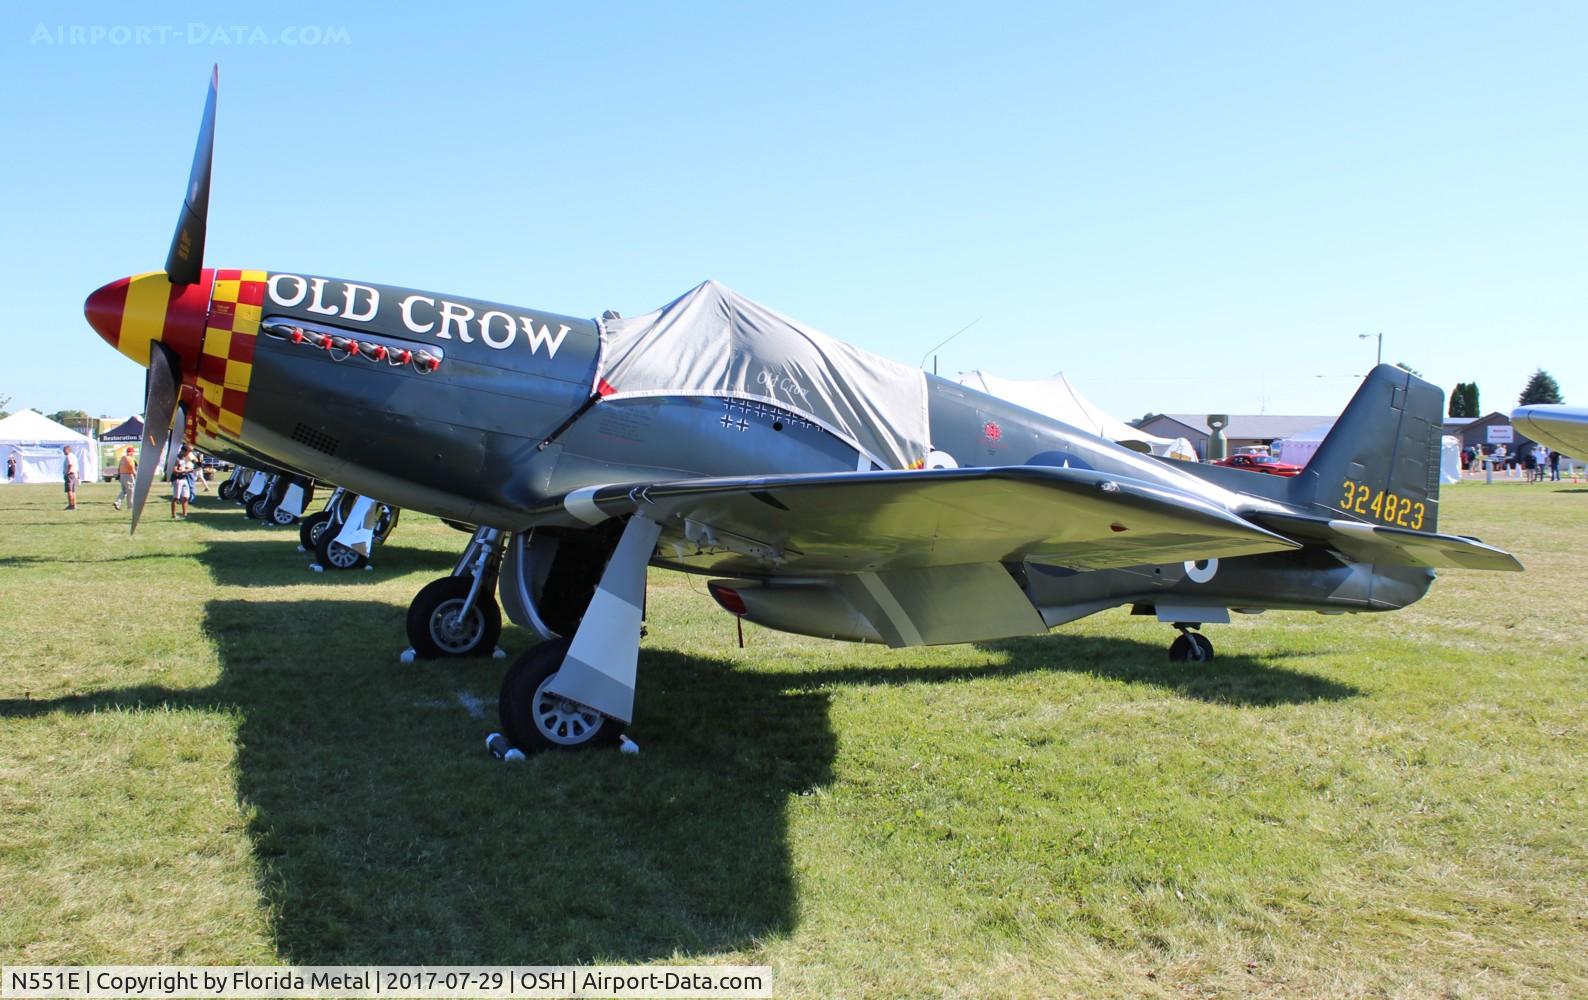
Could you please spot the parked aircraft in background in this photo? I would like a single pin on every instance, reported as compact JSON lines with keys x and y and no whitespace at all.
{"x":833,"y":492}
{"x":1562,"y":428}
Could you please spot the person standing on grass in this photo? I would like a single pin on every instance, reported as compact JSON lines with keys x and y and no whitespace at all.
{"x":127,"y":472}
{"x":1554,"y":466}
{"x":70,"y":471}
{"x":11,"y":468}
{"x":182,"y":481}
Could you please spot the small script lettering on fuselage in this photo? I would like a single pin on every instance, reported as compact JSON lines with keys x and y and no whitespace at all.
{"x":421,"y":314}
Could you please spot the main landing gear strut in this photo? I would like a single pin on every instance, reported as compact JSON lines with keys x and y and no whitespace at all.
{"x":458,"y":615}
{"x":566,"y":694}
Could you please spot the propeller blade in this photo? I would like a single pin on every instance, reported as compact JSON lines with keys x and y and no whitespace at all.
{"x":186,"y":258}
{"x":177,"y":437}
{"x":158,"y":411}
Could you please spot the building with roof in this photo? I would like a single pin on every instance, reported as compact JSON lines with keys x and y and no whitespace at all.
{"x":1474,"y":431}
{"x":1245,"y":429}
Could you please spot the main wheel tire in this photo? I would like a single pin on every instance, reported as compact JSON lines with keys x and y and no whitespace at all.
{"x":227,"y":490}
{"x":1191,"y":647}
{"x":256,"y":507}
{"x":534,"y":719}
{"x":310,"y":527}
{"x":332,"y":554}
{"x":435,"y":630}
{"x":281,"y":517}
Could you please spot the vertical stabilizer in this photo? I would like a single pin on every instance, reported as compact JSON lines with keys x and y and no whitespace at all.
{"x":1380,"y":461}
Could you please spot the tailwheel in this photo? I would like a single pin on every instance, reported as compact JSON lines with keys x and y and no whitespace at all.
{"x":332,"y":554}
{"x":309,"y":529}
{"x":438,"y":625}
{"x":535,"y":719}
{"x":1191,"y":647}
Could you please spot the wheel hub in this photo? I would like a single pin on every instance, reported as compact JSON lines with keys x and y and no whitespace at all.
{"x":455,"y":632}
{"x":560,"y":719}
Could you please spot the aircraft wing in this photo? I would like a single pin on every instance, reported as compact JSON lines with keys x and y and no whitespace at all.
{"x":861,"y":522}
{"x":1563,"y":428}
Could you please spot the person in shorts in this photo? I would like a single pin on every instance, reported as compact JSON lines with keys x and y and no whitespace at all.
{"x":127,"y":473}
{"x":72,"y":473}
{"x":182,"y":481}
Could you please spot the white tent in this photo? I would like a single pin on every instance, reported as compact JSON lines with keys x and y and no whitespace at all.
{"x":1449,"y":460}
{"x":1298,"y":449}
{"x":1055,"y":397}
{"x":35,"y":442}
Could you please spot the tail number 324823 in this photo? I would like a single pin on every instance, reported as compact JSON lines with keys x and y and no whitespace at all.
{"x":1387,"y":507}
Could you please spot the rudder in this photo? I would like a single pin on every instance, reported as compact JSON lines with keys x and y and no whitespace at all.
{"x":1380,"y":461}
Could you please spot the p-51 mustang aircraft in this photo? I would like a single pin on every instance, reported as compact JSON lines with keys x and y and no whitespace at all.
{"x":835,"y":493}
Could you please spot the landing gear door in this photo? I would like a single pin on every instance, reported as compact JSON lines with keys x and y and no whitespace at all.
{"x":525,"y":566}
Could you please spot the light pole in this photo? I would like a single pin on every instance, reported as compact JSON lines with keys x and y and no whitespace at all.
{"x":1380,"y":359}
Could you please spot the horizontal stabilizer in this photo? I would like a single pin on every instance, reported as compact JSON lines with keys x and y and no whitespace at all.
{"x":1392,"y":546}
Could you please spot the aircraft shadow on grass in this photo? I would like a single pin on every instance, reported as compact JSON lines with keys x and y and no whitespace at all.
{"x":221,"y":516}
{"x":1230,"y":679}
{"x":276,"y":561}
{"x":24,"y":560}
{"x":382,"y":831}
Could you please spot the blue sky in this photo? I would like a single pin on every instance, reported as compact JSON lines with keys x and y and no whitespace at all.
{"x":1185,"y":207}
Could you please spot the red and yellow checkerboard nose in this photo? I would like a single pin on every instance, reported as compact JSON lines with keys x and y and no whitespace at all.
{"x":211,"y":325}
{"x":227,"y":363}
{"x":133,"y":313}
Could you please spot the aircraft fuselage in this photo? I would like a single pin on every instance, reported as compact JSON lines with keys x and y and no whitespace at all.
{"x":481,"y":412}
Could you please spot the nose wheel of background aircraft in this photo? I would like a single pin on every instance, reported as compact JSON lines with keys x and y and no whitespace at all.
{"x":1190,"y":646}
{"x":332,"y":554}
{"x":535,"y":719}
{"x":442,"y":621}
{"x":458,"y":615}
{"x":310,"y":528}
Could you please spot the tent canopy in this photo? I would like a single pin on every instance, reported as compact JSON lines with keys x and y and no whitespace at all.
{"x":1449,"y":460}
{"x":1298,"y":449}
{"x":130,"y":430}
{"x":35,"y":442}
{"x":711,"y":341}
{"x":1055,"y":397}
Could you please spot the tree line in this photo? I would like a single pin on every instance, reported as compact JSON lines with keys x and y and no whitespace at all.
{"x":1541,"y":388}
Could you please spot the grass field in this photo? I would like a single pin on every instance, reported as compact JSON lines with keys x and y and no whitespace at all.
{"x":210,"y":755}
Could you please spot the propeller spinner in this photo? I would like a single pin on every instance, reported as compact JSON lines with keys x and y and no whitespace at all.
{"x":157,"y":319}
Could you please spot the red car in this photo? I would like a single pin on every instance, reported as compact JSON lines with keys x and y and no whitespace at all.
{"x":1260,"y":463}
